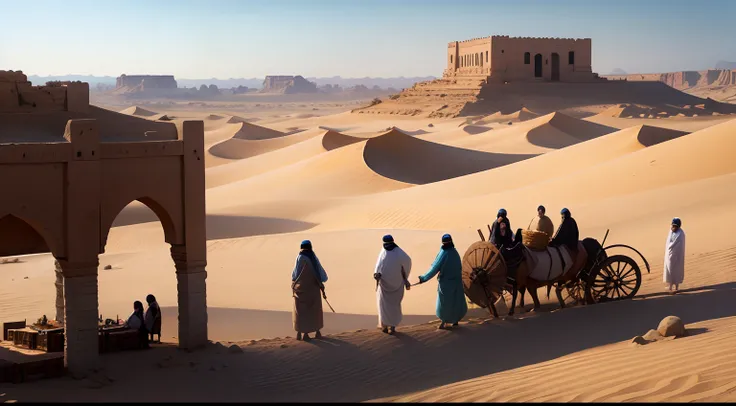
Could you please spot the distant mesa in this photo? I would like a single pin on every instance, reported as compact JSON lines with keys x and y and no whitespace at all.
{"x":618,"y":71}
{"x":146,"y":81}
{"x":288,"y":85}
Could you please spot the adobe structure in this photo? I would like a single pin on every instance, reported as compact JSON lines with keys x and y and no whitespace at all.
{"x":69,"y":171}
{"x":501,"y":58}
{"x":146,"y":81}
{"x":506,"y":74}
{"x":288,"y":85}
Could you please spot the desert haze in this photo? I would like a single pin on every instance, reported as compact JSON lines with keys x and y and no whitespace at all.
{"x":232,"y":182}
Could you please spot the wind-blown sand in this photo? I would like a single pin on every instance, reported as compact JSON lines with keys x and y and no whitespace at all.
{"x":343,"y":181}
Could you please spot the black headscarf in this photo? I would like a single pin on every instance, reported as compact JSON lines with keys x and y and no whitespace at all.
{"x":388,"y":242}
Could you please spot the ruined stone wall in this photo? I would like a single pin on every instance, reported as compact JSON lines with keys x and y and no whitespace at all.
{"x":147,"y":81}
{"x":17,"y":94}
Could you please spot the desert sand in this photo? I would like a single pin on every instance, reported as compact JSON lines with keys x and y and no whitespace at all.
{"x":343,"y":180}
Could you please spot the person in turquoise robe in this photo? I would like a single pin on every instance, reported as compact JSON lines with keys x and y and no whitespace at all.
{"x":451,"y":304}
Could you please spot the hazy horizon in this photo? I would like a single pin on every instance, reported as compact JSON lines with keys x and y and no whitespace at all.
{"x":224,"y":39}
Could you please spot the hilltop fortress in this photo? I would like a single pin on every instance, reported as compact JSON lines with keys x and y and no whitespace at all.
{"x":503,"y":58}
{"x":506,"y":74}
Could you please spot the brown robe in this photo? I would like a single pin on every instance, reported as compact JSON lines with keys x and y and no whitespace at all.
{"x":307,"y":314}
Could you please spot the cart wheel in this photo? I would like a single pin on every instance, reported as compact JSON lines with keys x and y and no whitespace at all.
{"x":574,"y":293}
{"x":484,"y":273}
{"x":617,"y":278}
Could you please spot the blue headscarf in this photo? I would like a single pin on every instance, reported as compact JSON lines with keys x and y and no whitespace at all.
{"x":501,"y":213}
{"x":447,"y":242}
{"x":306,"y":250}
{"x":388,"y":242}
{"x":565,"y":212}
{"x":677,"y":222}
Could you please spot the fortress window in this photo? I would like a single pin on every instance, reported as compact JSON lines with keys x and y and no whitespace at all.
{"x":527,"y":58}
{"x":502,"y":51}
{"x":450,"y":58}
{"x":571,"y":58}
{"x":486,"y":56}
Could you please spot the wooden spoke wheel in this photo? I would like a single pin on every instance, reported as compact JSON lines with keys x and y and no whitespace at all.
{"x":574,"y":293}
{"x":617,"y":278}
{"x":484,"y":273}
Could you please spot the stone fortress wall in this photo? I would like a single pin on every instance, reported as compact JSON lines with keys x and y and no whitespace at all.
{"x":17,"y":94}
{"x":503,"y":58}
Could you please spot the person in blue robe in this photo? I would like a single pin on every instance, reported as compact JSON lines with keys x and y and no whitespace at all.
{"x":307,"y":282}
{"x":451,"y":304}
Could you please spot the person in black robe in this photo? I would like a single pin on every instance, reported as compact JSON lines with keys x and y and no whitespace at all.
{"x":497,"y":237}
{"x":567,"y":234}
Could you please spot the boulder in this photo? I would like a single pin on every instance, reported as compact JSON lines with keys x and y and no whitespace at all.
{"x":671,"y":326}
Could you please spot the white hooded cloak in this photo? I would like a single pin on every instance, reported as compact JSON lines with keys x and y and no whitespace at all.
{"x":391,"y":287}
{"x":674,"y":258}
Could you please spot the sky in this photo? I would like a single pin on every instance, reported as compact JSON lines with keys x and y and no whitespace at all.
{"x":349,"y":38}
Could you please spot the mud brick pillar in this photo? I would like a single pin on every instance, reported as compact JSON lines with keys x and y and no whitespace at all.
{"x":80,"y":261}
{"x":190,"y":258}
{"x":192,"y":296}
{"x":81,"y":345}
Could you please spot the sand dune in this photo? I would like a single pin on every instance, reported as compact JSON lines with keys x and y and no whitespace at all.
{"x":279,"y":158}
{"x":138,"y":111}
{"x":539,"y":135}
{"x":521,"y":115}
{"x":250,"y":140}
{"x":402,"y":157}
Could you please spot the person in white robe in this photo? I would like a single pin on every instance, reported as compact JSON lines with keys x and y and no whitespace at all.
{"x":392,"y":277}
{"x":674,"y":256}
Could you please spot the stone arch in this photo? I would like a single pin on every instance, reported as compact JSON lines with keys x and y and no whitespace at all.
{"x":167,"y":223}
{"x":22,"y":235}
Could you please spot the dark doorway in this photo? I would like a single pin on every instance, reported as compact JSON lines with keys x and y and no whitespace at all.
{"x":538,"y":65}
{"x":555,"y":67}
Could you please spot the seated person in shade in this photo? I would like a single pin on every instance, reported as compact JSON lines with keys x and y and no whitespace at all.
{"x":136,"y":322}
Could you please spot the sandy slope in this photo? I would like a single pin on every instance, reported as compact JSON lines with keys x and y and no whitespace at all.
{"x":345,"y":186}
{"x":500,"y":360}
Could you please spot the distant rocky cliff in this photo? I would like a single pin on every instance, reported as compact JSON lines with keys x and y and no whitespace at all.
{"x":685,"y":79}
{"x":288,"y":85}
{"x":146,"y":81}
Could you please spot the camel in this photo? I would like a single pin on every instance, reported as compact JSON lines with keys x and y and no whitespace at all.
{"x":524,"y":282}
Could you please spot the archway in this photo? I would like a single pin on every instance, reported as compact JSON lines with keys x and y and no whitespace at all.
{"x":25,"y":258}
{"x":555,"y":67}
{"x":137,"y":261}
{"x":538,"y":65}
